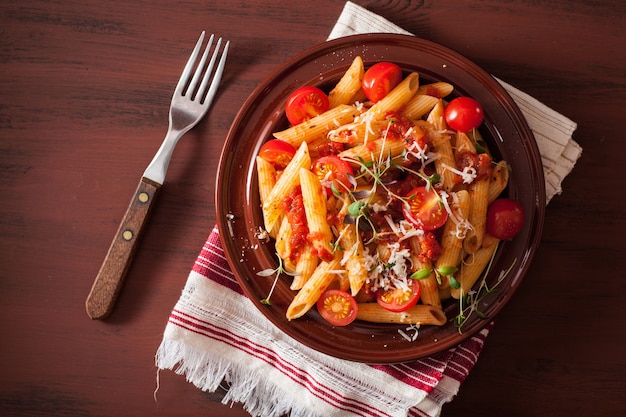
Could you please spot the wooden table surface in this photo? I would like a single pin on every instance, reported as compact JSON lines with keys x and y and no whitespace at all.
{"x":85,"y":88}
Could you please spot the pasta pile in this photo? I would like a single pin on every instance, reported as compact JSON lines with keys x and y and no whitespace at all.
{"x":359,"y":238}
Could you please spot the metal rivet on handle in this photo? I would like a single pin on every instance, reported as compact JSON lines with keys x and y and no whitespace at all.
{"x":127,"y":234}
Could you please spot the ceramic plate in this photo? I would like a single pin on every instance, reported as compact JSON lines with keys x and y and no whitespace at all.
{"x":239,"y":216}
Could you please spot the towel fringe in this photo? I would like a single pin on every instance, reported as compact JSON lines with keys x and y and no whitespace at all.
{"x":257,"y":395}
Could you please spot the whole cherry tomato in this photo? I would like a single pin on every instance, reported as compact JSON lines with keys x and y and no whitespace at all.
{"x":277,"y":153}
{"x":380,"y":79}
{"x":505,"y":218}
{"x":464,"y":114}
{"x":305,"y":103}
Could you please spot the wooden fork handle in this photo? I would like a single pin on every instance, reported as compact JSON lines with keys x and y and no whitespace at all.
{"x":108,"y":282}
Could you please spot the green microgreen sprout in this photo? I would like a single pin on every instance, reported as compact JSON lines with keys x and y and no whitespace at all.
{"x":480,"y":148}
{"x":336,"y":246}
{"x":356,"y":208}
{"x":476,"y":138}
{"x":453,"y":282}
{"x":447,"y":271}
{"x":469,"y":303}
{"x":421,"y":274}
{"x":389,"y":265}
{"x":280,"y":269}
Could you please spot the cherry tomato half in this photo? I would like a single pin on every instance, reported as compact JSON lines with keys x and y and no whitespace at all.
{"x":337,"y":307}
{"x":333,"y":168}
{"x":305,"y":103}
{"x":424,"y":209}
{"x":277,"y":153}
{"x":380,"y":79}
{"x":464,"y":114}
{"x":399,"y":299}
{"x":505,"y":218}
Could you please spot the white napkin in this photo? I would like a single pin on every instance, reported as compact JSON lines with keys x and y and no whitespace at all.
{"x":553,"y":131}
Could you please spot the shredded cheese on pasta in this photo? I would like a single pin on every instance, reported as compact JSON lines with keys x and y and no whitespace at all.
{"x":394,"y":272}
{"x":462,"y":226}
{"x":468,"y":174}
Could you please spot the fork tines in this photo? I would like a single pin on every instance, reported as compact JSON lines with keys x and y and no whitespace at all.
{"x":199,"y":93}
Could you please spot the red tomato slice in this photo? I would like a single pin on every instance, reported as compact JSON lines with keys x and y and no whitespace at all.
{"x":424,"y":209}
{"x":380,"y":79}
{"x":505,"y":218}
{"x":464,"y":114}
{"x":333,"y":168}
{"x":399,"y":299}
{"x":277,"y":152}
{"x":337,"y":307}
{"x":305,"y":103}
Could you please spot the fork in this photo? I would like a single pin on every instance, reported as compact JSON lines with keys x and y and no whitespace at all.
{"x":192,"y":98}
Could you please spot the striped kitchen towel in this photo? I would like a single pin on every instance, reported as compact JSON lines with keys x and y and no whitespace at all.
{"x":216,"y":334}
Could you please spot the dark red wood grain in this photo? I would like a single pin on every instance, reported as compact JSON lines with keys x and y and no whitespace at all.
{"x":84,"y":93}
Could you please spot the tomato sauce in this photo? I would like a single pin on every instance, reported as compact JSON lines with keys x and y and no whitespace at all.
{"x":401,"y":128}
{"x":294,"y":207}
{"x":322,"y":253}
{"x":432,"y":91}
{"x":480,"y":162}
{"x":330,"y":148}
{"x":397,"y":127}
{"x":430,"y":247}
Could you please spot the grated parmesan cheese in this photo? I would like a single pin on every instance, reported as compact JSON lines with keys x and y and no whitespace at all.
{"x":468,"y":174}
{"x":390,"y":273}
{"x":413,"y":330}
{"x":462,"y":225}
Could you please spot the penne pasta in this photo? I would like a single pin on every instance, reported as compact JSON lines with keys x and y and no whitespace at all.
{"x":349,"y":84}
{"x":438,"y":89}
{"x":356,"y":133}
{"x":429,"y":290}
{"x":473,"y":266}
{"x":499,"y":180}
{"x":464,"y":143}
{"x":315,"y":209}
{"x":283,"y":239}
{"x":273,"y":205}
{"x":477,"y":138}
{"x":377,"y":149}
{"x":418,"y":314}
{"x":396,"y":98}
{"x":266,"y":174}
{"x":478,"y":191}
{"x":454,"y":232}
{"x":304,"y":268}
{"x":324,"y":274}
{"x":441,"y":141}
{"x":436,"y":117}
{"x":419,"y":105}
{"x":353,"y":260}
{"x":266,"y":177}
{"x":425,"y":99}
{"x":318,"y":126}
